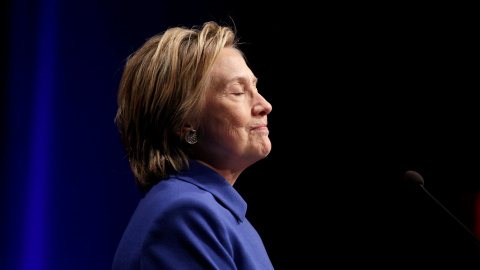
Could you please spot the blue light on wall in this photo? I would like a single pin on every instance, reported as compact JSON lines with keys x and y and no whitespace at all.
{"x":37,"y":150}
{"x":66,"y":190}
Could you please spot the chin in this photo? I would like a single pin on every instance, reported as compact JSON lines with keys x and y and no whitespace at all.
{"x":266,"y":150}
{"x":260,"y":151}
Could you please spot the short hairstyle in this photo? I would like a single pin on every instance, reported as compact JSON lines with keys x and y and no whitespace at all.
{"x":163,"y":87}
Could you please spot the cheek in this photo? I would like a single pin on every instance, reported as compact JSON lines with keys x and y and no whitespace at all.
{"x":224,"y":116}
{"x":229,"y":125}
{"x":226,"y":124}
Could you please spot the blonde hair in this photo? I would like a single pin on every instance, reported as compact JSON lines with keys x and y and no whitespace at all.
{"x":162,"y":88}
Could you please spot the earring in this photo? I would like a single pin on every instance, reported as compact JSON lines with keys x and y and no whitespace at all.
{"x":191,"y":136}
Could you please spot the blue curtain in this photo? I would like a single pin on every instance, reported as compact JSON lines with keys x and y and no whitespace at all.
{"x":65,"y":187}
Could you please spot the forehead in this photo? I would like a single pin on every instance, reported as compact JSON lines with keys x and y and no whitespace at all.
{"x":230,"y":65}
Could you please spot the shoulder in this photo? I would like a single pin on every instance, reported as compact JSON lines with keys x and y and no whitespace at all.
{"x":175,"y":193}
{"x":175,"y":198}
{"x":189,"y":212}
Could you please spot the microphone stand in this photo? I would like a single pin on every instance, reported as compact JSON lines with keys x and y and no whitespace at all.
{"x":449,"y":213}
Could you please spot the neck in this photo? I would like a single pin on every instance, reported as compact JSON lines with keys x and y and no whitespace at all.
{"x":229,"y":174}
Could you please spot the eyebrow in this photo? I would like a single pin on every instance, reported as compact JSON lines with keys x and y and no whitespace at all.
{"x":241,"y":78}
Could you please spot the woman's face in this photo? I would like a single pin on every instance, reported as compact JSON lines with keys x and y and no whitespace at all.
{"x":234,"y":131}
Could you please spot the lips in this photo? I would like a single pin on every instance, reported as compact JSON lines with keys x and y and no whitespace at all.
{"x":260,"y":127}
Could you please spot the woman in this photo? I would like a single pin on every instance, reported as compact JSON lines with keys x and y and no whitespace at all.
{"x":191,"y":120}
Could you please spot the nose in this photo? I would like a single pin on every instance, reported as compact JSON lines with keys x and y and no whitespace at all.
{"x":262,"y":106}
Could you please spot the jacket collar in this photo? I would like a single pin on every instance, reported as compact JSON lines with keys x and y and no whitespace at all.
{"x":212,"y":182}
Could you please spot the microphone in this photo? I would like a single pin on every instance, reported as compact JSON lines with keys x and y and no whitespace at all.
{"x":417,"y":179}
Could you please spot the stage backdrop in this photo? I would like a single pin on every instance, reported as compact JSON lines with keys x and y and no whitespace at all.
{"x":359,"y":93}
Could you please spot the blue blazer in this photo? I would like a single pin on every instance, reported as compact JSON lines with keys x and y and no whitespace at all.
{"x":193,"y":220}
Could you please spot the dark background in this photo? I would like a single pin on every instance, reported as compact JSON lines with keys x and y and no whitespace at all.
{"x":360,"y":93}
